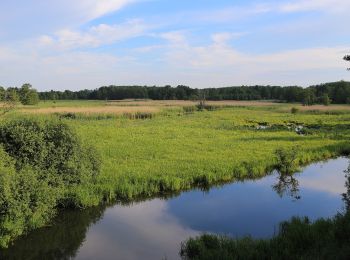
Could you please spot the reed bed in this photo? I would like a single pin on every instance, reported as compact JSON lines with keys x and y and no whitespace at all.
{"x":177,"y":150}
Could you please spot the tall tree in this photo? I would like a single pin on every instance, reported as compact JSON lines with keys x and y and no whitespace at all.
{"x":28,"y":95}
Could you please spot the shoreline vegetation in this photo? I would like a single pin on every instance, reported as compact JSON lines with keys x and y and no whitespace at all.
{"x":139,"y":154}
{"x":298,"y":238}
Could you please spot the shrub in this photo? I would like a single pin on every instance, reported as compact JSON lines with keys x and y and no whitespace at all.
{"x":138,"y":115}
{"x":26,"y":200}
{"x":294,"y":110}
{"x":43,"y":165}
{"x":189,"y":109}
{"x":50,"y":146}
{"x":28,"y":95}
{"x":286,"y":160}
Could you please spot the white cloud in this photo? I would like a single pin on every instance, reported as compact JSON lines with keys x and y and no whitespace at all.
{"x":41,"y":16}
{"x":97,"y":8}
{"x":175,"y":37}
{"x":146,"y":228}
{"x":221,"y":54}
{"x":95,"y":36}
{"x":314,"y":5}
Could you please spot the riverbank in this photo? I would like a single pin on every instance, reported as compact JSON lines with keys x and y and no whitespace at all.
{"x":178,"y":149}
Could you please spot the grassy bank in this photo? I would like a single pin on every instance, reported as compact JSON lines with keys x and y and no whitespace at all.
{"x":297,"y":239}
{"x":176,"y":149}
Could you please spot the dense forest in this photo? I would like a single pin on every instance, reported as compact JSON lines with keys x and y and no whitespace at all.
{"x":335,"y":92}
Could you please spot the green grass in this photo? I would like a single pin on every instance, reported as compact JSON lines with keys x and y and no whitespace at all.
{"x":179,"y":151}
{"x":68,"y":103}
{"x":297,"y":239}
{"x":174,"y":150}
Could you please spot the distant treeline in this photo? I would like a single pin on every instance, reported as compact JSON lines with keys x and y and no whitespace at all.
{"x":336,"y":92}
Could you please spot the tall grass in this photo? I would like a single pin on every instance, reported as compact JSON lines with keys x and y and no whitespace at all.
{"x":174,"y":151}
{"x":171,"y":152}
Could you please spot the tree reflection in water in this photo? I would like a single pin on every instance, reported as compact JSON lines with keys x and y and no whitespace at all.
{"x":346,"y":195}
{"x":61,"y":240}
{"x":287,"y":185}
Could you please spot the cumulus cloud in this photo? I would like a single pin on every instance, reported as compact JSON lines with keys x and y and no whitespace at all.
{"x":95,"y":36}
{"x":97,"y":8}
{"x":314,"y":5}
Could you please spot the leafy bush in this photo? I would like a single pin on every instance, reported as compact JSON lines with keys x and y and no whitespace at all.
{"x":286,"y":160}
{"x":294,"y":110}
{"x":28,"y":95}
{"x":42,"y":163}
{"x":50,"y":146}
{"x":26,"y":200}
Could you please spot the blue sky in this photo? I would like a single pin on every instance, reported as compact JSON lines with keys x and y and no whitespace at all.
{"x":64,"y":44}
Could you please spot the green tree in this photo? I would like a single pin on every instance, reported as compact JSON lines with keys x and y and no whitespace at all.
{"x":9,"y":98}
{"x":308,"y":97}
{"x":11,"y":95}
{"x":28,"y":95}
{"x":2,"y":93}
{"x":326,"y":100}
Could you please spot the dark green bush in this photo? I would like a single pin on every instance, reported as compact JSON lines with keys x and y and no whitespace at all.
{"x":286,"y":160}
{"x":294,"y":110}
{"x":50,"y":146}
{"x":43,"y":165}
{"x":27,"y":201}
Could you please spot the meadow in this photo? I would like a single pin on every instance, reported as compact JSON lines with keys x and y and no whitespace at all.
{"x":137,"y":149}
{"x":175,"y":150}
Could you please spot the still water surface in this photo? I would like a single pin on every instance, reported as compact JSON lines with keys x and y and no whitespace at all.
{"x":154,"y":229}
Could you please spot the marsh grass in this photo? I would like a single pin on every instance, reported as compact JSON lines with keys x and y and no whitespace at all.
{"x":175,"y":151}
{"x":171,"y":153}
{"x":297,"y":239}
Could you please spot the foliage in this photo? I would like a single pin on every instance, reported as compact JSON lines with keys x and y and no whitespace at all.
{"x":286,"y":160}
{"x":59,"y":240}
{"x":42,"y":165}
{"x":296,"y":239}
{"x":336,"y":91}
{"x":294,"y":110}
{"x":309,"y":97}
{"x":27,"y":200}
{"x":49,"y":146}
{"x":11,"y":95}
{"x":28,"y":96}
{"x":171,"y":152}
{"x":326,"y":100}
{"x":167,"y":153}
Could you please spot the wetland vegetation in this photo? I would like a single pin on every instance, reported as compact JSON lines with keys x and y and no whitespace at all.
{"x":93,"y":152}
{"x":298,"y":238}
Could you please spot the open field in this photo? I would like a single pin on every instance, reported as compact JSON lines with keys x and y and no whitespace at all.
{"x":94,"y":110}
{"x":118,"y":107}
{"x":177,"y":150}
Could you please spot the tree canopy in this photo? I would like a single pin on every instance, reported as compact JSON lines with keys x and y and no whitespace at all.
{"x":337,"y":92}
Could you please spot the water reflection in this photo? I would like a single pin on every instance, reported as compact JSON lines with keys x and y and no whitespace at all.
{"x":154,"y":229}
{"x":61,"y":240}
{"x":287,"y":185}
{"x":346,"y":195}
